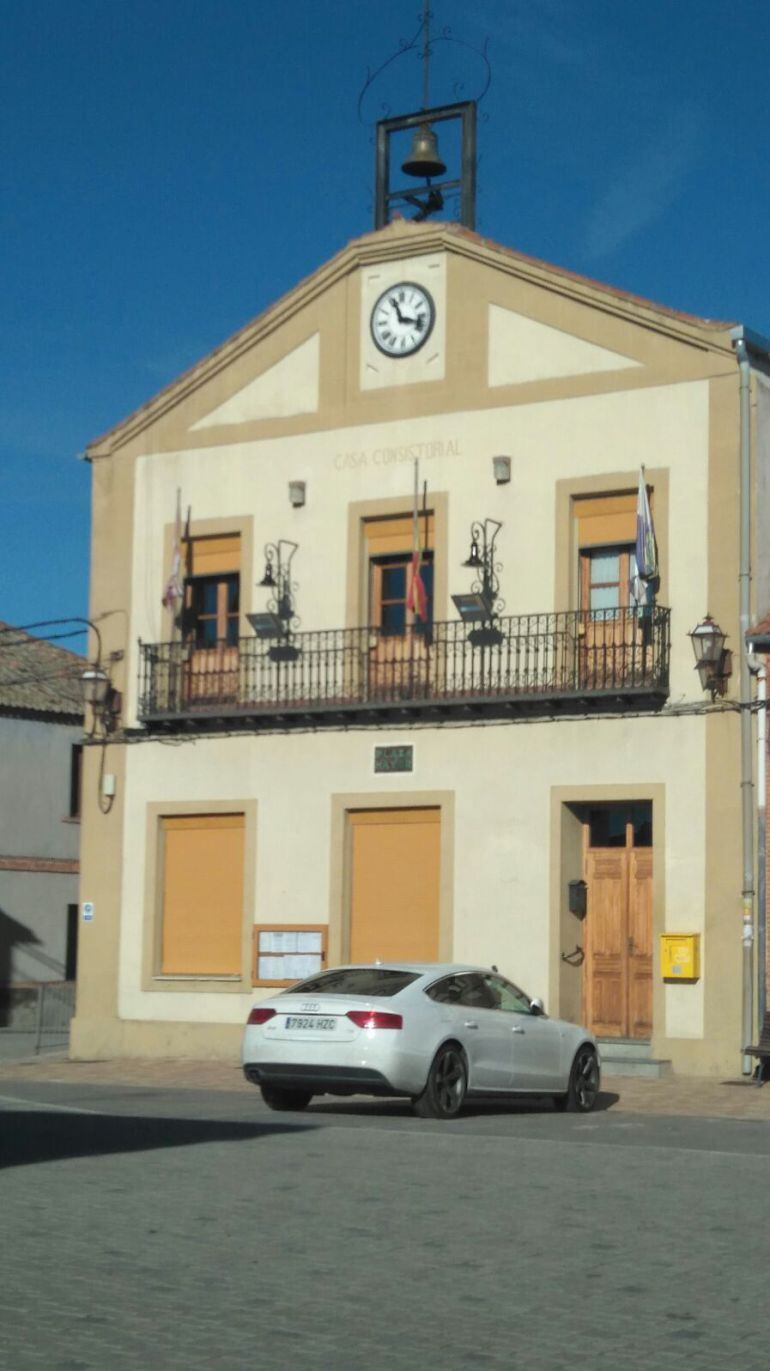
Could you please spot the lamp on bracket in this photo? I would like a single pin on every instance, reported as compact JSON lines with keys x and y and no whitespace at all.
{"x":482,"y":603}
{"x":278,"y":620}
{"x":98,"y":692}
{"x":713,"y":661}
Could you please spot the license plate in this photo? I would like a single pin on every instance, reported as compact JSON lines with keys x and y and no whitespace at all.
{"x":314,"y":1021}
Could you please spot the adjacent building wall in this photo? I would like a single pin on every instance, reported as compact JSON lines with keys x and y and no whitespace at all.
{"x":39,"y":842}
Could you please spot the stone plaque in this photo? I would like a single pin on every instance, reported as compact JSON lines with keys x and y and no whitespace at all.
{"x":394,"y":758}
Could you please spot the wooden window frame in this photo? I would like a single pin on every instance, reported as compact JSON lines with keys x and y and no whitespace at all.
{"x":223,"y":616}
{"x":378,"y":564}
{"x":625,"y":553}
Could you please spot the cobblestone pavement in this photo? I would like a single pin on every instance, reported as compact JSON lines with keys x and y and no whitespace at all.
{"x":157,"y":1216}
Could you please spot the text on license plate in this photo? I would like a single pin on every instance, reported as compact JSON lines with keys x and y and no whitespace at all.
{"x":310,"y":1021}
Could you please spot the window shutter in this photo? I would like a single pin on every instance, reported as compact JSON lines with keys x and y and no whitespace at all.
{"x":214,"y":556}
{"x":606,"y":519}
{"x":203,"y":856}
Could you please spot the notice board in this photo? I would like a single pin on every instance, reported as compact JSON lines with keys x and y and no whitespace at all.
{"x":285,"y":953}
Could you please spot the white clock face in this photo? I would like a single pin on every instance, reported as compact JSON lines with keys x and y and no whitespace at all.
{"x":402,"y":319}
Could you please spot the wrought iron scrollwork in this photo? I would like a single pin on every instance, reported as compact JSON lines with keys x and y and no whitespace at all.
{"x":277,"y":578}
{"x":422,"y":45}
{"x":482,"y":560}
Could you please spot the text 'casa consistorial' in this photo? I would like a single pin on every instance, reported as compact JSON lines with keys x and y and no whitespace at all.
{"x":390,"y":456}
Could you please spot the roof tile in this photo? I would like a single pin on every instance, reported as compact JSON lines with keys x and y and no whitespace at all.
{"x":37,"y":676}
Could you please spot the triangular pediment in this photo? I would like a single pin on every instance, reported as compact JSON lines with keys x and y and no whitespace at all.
{"x":522,"y":350}
{"x":542,"y":324}
{"x":289,"y":387}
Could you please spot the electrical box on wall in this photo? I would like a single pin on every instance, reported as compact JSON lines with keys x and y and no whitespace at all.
{"x":680,"y":956}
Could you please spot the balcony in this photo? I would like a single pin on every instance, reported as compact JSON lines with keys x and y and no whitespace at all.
{"x":535,"y":664}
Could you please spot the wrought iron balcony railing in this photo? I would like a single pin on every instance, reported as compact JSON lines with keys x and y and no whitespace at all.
{"x":540,"y":662}
{"x":571,"y":662}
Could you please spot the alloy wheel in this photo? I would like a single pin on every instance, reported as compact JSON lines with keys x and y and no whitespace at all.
{"x":586,"y":1080}
{"x":450,"y":1081}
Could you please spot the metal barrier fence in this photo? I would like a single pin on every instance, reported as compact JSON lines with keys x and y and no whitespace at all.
{"x":35,"y":1014}
{"x":55,"y":1008}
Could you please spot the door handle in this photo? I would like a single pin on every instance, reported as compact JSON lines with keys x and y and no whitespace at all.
{"x":470,"y":1023}
{"x":515,"y":1029}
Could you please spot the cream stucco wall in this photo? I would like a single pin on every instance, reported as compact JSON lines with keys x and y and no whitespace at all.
{"x":501,"y":776}
{"x":669,"y":403}
{"x":663,"y":426}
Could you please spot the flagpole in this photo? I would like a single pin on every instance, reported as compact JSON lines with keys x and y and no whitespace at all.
{"x":416,"y":505}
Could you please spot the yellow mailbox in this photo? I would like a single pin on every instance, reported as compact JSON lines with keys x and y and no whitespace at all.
{"x":680,"y":956}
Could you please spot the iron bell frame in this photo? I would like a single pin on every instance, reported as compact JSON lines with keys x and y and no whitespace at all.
{"x":386,"y":199}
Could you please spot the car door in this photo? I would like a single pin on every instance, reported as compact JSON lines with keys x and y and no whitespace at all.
{"x":535,"y":1040}
{"x":469,"y":1015}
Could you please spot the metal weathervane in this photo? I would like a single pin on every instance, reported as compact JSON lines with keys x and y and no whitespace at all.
{"x":424,"y":162}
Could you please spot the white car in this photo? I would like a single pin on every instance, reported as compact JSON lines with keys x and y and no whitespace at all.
{"x":437,"y":1033}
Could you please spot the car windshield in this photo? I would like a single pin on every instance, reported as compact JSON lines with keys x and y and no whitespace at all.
{"x":372,"y":981}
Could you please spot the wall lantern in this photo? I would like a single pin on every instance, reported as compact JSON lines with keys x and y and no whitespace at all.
{"x":95,"y":685}
{"x":501,"y":466}
{"x":483,"y":603}
{"x":297,"y":493}
{"x":98,"y":692}
{"x":713,"y":661}
{"x":280,"y":617}
{"x":97,"y":689}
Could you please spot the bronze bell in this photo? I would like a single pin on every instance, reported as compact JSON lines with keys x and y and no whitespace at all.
{"x":423,"y":160}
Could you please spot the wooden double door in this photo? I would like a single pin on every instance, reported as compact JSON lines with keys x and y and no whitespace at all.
{"x":618,"y":943}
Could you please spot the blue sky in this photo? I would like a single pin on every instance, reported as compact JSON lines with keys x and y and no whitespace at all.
{"x":170,"y":167}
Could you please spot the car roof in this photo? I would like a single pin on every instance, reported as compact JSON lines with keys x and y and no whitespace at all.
{"x":421,"y":968}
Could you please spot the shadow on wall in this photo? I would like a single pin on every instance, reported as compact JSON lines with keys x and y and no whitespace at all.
{"x":12,"y":934}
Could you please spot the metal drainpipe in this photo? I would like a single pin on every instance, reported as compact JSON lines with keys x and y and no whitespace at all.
{"x":747,"y":817}
{"x":761,"y":842}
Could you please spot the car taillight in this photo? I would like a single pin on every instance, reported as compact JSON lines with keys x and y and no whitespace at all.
{"x":258,"y":1015}
{"x":374,"y":1018}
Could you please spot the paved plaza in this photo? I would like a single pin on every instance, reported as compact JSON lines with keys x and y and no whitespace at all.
{"x":156,"y":1215}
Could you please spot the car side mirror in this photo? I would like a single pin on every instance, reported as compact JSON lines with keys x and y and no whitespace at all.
{"x":536,"y":1006}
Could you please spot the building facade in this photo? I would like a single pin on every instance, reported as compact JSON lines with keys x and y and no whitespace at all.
{"x":313,"y":764}
{"x":41,"y":736}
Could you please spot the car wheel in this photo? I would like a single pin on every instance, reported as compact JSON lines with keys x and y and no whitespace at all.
{"x":278,"y":1097}
{"x":583,"y":1087}
{"x":447,"y":1083}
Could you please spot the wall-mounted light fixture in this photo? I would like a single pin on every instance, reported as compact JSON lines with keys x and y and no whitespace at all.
{"x":713,"y":661}
{"x":501,"y":467}
{"x":297,"y":493}
{"x":280,"y":618}
{"x":101,"y":695}
{"x":483,"y":602}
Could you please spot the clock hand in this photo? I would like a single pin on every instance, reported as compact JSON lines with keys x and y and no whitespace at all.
{"x":394,"y":303}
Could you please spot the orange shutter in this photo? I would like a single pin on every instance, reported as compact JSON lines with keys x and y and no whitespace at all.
{"x":395,"y":884}
{"x":606,"y":519}
{"x":215,"y":556}
{"x":202,"y":894}
{"x":388,"y":537}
